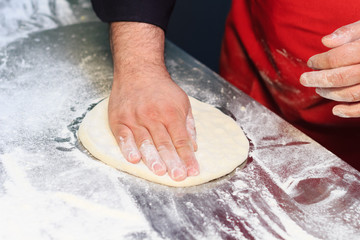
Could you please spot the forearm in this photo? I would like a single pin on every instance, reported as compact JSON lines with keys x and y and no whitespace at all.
{"x":137,"y":48}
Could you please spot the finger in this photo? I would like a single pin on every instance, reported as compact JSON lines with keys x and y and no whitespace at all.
{"x":126,"y":142}
{"x":183,"y":144}
{"x":344,"y":55}
{"x":176,"y":167}
{"x":190,"y":126}
{"x":339,"y":77}
{"x":344,"y":94}
{"x":150,"y":155}
{"x":347,"y":110}
{"x":342,"y":35}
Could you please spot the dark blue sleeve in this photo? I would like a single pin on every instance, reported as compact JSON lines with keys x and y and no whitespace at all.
{"x":155,"y":12}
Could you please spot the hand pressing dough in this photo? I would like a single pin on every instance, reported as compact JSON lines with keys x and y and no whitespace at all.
{"x":222,"y":145}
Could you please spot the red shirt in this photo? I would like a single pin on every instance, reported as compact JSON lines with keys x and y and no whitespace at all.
{"x":266,"y":46}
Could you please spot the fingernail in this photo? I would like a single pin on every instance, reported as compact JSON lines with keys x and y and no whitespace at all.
{"x":334,"y":35}
{"x":310,"y":63}
{"x":178,"y":174}
{"x":339,"y":113}
{"x":158,"y":168}
{"x":134,"y":157}
{"x":304,"y":79}
{"x":320,"y":91}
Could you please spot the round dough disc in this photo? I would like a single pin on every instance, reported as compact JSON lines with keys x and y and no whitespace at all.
{"x":222,"y":145}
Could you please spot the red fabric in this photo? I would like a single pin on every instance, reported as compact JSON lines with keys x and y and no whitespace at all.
{"x":265,"y":49}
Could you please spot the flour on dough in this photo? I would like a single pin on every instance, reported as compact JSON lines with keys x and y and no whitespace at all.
{"x":222,"y":145}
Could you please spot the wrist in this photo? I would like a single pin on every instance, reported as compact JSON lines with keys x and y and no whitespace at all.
{"x":136,"y":45}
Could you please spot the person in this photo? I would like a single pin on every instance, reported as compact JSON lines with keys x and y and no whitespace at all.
{"x":301,"y":59}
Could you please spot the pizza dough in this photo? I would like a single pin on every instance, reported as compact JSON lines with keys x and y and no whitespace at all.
{"x":222,"y":145}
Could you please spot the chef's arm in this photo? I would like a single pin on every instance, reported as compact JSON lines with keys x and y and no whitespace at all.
{"x":149,"y":115}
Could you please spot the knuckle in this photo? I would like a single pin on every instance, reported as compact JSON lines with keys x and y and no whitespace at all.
{"x":142,"y":141}
{"x":123,"y":133}
{"x":148,"y":113}
{"x":182,"y":143}
{"x":157,"y":113}
{"x":164,"y":145}
{"x":352,"y":96}
{"x":332,"y":60}
{"x":348,"y":95}
{"x":336,"y":79}
{"x":172,"y":114}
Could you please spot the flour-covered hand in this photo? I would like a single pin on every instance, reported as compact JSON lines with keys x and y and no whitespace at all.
{"x":338,"y":75}
{"x":149,"y":115}
{"x":152,"y":121}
